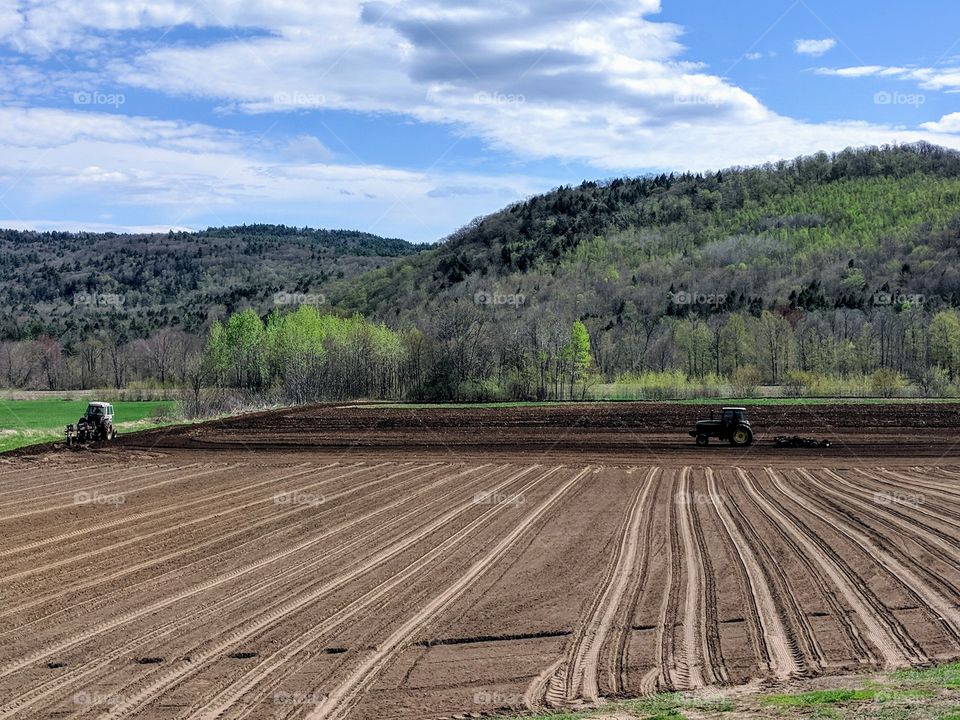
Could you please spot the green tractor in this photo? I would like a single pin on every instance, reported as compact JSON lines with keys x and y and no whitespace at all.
{"x":732,"y":426}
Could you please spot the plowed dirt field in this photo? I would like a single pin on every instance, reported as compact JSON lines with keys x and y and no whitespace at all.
{"x":355,"y":562}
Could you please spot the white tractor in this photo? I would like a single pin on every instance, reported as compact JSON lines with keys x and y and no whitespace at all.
{"x":96,"y":424}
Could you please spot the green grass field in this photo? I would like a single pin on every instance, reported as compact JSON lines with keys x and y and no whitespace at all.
{"x":28,"y":422}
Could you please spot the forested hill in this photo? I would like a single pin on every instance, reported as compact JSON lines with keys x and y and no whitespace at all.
{"x":73,"y":284}
{"x":816,"y":233}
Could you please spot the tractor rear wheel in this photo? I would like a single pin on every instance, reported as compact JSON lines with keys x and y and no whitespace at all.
{"x":741,"y":436}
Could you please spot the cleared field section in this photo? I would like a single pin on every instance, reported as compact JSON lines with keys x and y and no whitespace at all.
{"x":279,"y":584}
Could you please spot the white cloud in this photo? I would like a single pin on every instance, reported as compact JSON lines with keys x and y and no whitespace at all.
{"x":306,"y":148}
{"x":608,"y":87}
{"x":946,"y":124}
{"x":78,"y":225}
{"x":929,"y":78}
{"x":178,"y":174}
{"x":852,"y":72}
{"x":815,"y":48}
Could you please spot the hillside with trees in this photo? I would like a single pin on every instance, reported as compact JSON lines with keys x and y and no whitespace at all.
{"x":825,"y":275}
{"x":814,"y":274}
{"x":66,"y":284}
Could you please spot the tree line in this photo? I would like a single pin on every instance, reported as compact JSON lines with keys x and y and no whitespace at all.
{"x":476,"y":352}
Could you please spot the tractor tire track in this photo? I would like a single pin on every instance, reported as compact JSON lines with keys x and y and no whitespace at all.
{"x":267,"y":617}
{"x":222,"y":604}
{"x":885,"y":633}
{"x":776,"y":647}
{"x":344,"y":696}
{"x":713,"y":652}
{"x":618,"y":660}
{"x":692,"y":663}
{"x":576,"y":679}
{"x":661,"y":676}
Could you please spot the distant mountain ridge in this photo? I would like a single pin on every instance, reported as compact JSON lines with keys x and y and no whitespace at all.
{"x":74,"y":284}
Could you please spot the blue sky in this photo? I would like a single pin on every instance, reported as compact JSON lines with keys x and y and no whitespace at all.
{"x":409,"y":118}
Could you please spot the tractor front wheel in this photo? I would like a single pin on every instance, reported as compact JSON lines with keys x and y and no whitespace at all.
{"x":702,"y":439}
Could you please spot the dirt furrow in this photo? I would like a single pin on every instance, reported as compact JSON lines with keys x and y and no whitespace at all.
{"x":887,"y":641}
{"x":941,"y":602}
{"x":885,"y":631}
{"x":341,"y":698}
{"x":92,"y":487}
{"x":945,"y":493}
{"x":802,"y":593}
{"x":269,"y":616}
{"x":779,"y":650}
{"x":215,"y":539}
{"x":166,"y":529}
{"x":907,"y":516}
{"x":208,"y":584}
{"x":894,"y":492}
{"x":576,"y":679}
{"x":221,"y":605}
{"x":53,"y":479}
{"x":126,"y":493}
{"x":902,"y":503}
{"x":163,"y":511}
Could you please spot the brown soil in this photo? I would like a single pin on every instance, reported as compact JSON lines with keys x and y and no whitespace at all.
{"x":355,"y":562}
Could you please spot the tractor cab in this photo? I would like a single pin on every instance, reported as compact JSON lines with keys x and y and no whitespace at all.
{"x":733,"y":415}
{"x":99,"y":410}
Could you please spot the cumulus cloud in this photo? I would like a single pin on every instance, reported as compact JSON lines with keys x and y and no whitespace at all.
{"x":816,"y":48}
{"x":604,"y":84}
{"x":946,"y":124}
